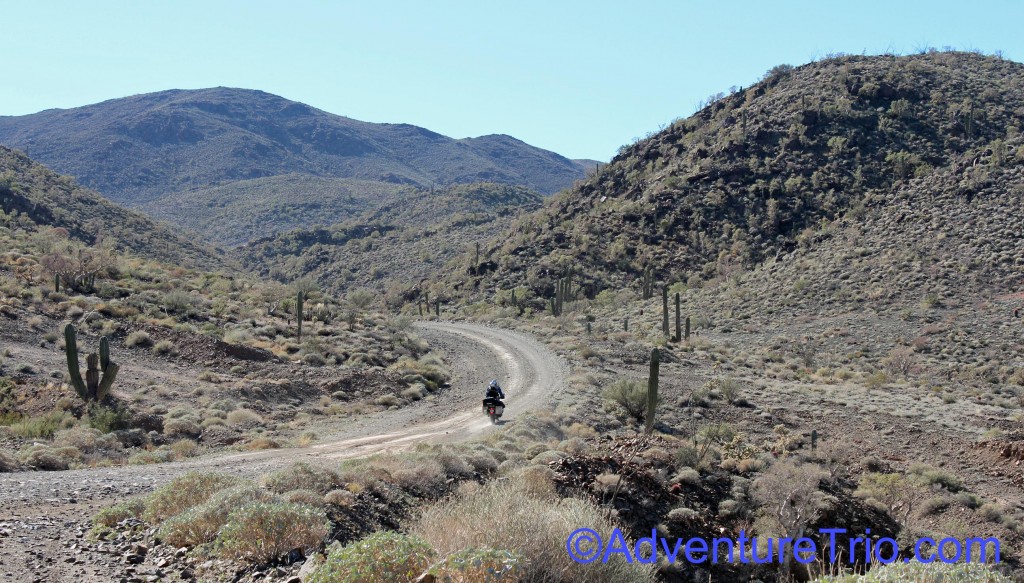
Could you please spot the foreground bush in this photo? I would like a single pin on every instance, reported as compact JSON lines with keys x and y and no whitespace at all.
{"x":200,"y":524}
{"x":183,"y":493}
{"x":517,"y":515}
{"x":302,"y":476}
{"x":923,"y":573}
{"x":109,"y":517}
{"x":261,"y":531}
{"x":384,"y":557}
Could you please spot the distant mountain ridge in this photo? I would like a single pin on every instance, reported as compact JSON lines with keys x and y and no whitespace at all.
{"x":139,"y":150}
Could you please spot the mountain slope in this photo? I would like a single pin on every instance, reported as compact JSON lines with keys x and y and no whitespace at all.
{"x":46,"y":198}
{"x":756,"y":172}
{"x":396,"y":246}
{"x":245,"y":210}
{"x":139,"y":149}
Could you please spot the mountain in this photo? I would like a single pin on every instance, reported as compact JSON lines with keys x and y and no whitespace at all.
{"x":141,"y":150}
{"x":758,"y":173}
{"x":399,"y":245}
{"x":46,"y":198}
{"x":241,"y":211}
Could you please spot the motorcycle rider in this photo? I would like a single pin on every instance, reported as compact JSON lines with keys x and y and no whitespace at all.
{"x":494,"y":392}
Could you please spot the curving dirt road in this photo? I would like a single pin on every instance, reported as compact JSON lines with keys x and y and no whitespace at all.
{"x":38,"y":508}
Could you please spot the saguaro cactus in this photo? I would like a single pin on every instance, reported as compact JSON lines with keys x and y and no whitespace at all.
{"x":100,"y":372}
{"x":664,"y":311}
{"x":300,"y":298}
{"x":71,"y":351}
{"x":686,"y":330}
{"x":652,"y":391}
{"x":679,"y":333}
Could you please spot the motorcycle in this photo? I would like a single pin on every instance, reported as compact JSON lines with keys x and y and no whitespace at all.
{"x":493,"y":408}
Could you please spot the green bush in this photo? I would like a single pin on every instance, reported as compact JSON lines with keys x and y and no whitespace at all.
{"x":631,"y":395}
{"x":302,"y":476}
{"x":262,"y":531}
{"x":108,"y":419}
{"x":384,"y":557}
{"x":109,"y":517}
{"x":185,"y":492}
{"x":200,"y":524}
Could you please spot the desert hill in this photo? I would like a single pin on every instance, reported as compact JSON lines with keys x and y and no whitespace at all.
{"x":757,"y":172}
{"x":45,"y":198}
{"x":139,"y":149}
{"x":397,"y":245}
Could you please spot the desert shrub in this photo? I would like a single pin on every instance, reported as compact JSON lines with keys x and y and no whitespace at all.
{"x":313,"y":359}
{"x":182,"y":427}
{"x":342,"y":498}
{"x":50,"y":459}
{"x":177,"y":301}
{"x":244,"y":418}
{"x":107,"y":419}
{"x":383,"y":557}
{"x":934,"y":476}
{"x":165,"y":347}
{"x":262,"y":531}
{"x":43,"y":426}
{"x":507,"y":514}
{"x":183,"y":493}
{"x":936,"y":572}
{"x":302,"y":476}
{"x":307,"y":497}
{"x":629,"y":394}
{"x":184,"y":448}
{"x":688,"y":456}
{"x":687,"y":476}
{"x":109,"y":517}
{"x":200,"y":524}
{"x":470,"y":565}
{"x":387,"y":401}
{"x":139,"y":338}
{"x":87,"y":440}
{"x":8,"y":463}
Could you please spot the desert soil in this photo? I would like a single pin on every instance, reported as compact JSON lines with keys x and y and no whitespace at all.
{"x":44,"y":515}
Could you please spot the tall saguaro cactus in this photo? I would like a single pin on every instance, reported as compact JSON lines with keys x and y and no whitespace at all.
{"x":100,"y":372}
{"x":652,"y":392}
{"x":300,"y":298}
{"x":664,"y":311}
{"x":679,"y":333}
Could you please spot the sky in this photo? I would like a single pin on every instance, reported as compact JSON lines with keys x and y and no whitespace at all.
{"x":579,"y":78}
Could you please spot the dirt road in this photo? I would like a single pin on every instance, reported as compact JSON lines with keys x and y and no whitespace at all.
{"x":40,"y":512}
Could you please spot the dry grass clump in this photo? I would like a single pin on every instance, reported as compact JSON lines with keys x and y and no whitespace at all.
{"x":8,"y":463}
{"x":109,"y":517}
{"x":138,"y":338}
{"x":510,"y":514}
{"x":244,"y":418}
{"x":183,"y":493}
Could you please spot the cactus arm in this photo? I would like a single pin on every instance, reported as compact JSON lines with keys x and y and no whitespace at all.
{"x":104,"y":353}
{"x":109,"y":374}
{"x":71,"y":351}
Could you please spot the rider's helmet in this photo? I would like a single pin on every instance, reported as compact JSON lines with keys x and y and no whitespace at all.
{"x":494,"y":384}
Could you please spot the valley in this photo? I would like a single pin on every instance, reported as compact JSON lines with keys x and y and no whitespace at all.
{"x":827,"y":267}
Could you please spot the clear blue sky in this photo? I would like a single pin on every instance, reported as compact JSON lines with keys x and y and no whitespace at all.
{"x":580,"y":78}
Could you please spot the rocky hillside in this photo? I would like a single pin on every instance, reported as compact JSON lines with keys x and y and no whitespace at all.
{"x":246,"y":210}
{"x":140,"y":149}
{"x":42,"y":197}
{"x":757,"y":172}
{"x":396,"y":246}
